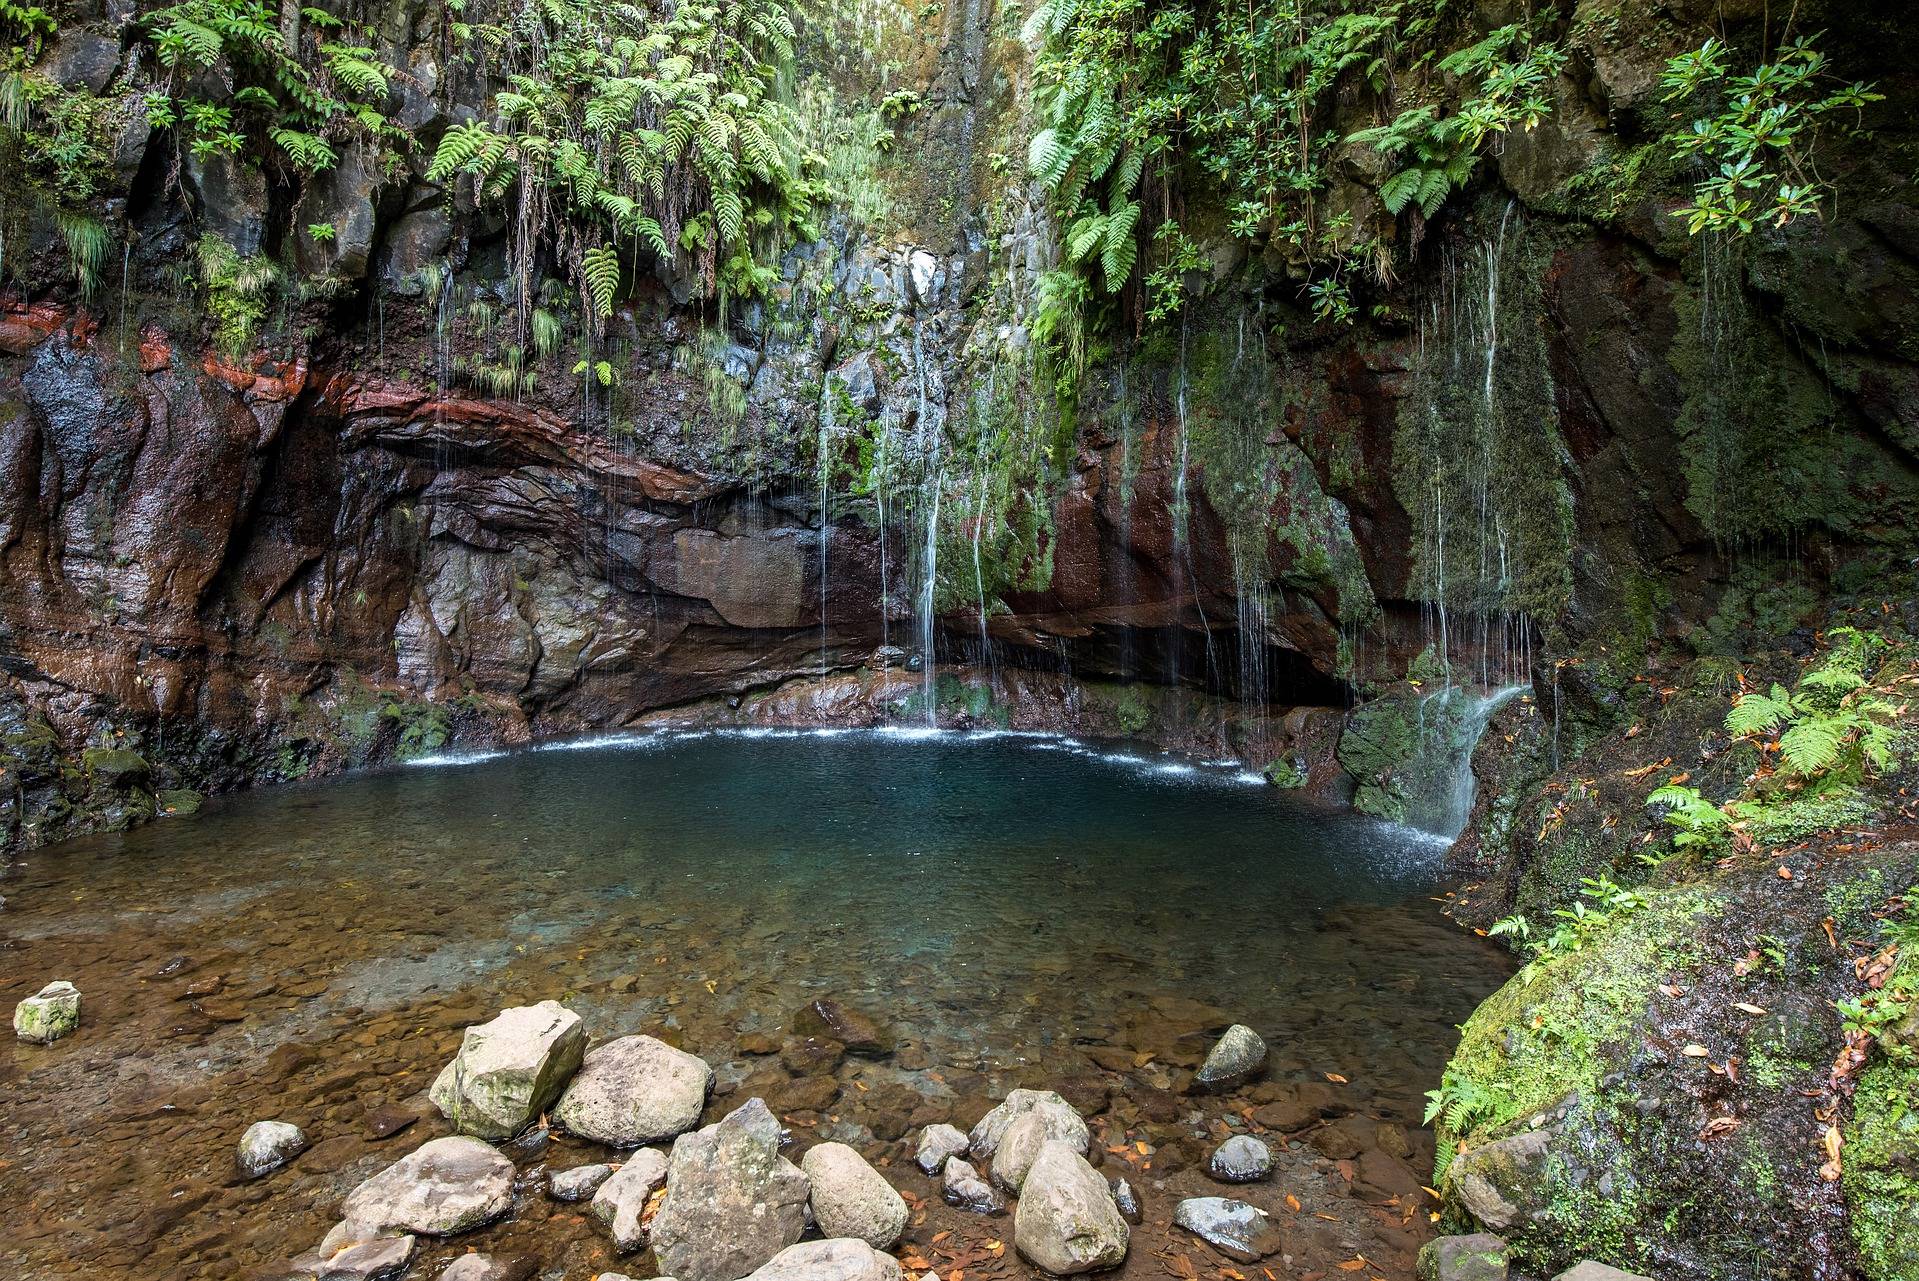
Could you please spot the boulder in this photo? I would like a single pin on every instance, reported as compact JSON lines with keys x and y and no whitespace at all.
{"x":621,"y":1200}
{"x":579,"y":1183}
{"x":1241,"y":1159}
{"x":377,"y":1259}
{"x":1498,"y":1182}
{"x":484,"y":1267}
{"x":446,"y":1186}
{"x":938,"y":1144}
{"x":635,"y":1090}
{"x":83,"y":60}
{"x":986,"y":1136}
{"x":1066,"y":1221}
{"x":115,"y":766}
{"x":1479,"y":1257}
{"x":1236,"y":1058}
{"x":1235,"y":1228}
{"x":268,"y":1145}
{"x":510,"y":1069}
{"x":852,"y":1199}
{"x":838,"y":1259}
{"x":1590,"y":1271}
{"x":340,"y":200}
{"x":233,"y":199}
{"x":732,"y":1201}
{"x":48,"y":1014}
{"x":962,"y":1186}
{"x":861,"y":1034}
{"x":1032,"y":1130}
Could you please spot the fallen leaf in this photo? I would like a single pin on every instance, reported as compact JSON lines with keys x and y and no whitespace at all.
{"x":1696,"y":1051}
{"x":1292,"y":1202}
{"x":1747,"y":1007}
{"x":1336,"y":1078}
{"x":1353,"y":1265}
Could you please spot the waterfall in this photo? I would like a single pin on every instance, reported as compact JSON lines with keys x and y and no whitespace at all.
{"x":825,"y":468}
{"x":931,"y":435}
{"x":1451,"y":721}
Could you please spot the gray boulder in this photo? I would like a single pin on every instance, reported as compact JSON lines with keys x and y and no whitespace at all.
{"x":635,"y":1090}
{"x":938,"y":1143}
{"x":838,"y":1259}
{"x":48,"y":1014}
{"x":268,"y":1145}
{"x":484,"y":1267}
{"x":510,"y":1069}
{"x":986,"y":1136}
{"x":962,"y":1186}
{"x":1245,"y":1232}
{"x":379,"y":1259}
{"x":1479,"y":1257}
{"x":732,"y":1201}
{"x":1241,"y":1159}
{"x":1031,"y":1131}
{"x":852,"y":1199}
{"x":1237,"y":1057}
{"x":1066,"y":1222}
{"x":621,"y":1200}
{"x":1500,"y":1183}
{"x":579,"y":1183}
{"x":446,"y":1186}
{"x":1590,"y":1271}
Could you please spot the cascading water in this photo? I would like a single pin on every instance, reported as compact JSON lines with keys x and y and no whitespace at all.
{"x":1451,"y":721}
{"x":931,"y":435}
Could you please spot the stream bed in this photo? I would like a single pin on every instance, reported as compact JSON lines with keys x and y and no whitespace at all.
{"x":1013,"y":909}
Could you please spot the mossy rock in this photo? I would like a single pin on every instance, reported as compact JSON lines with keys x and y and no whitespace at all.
{"x":115,"y":766}
{"x":179,"y":802}
{"x":1881,"y":1171}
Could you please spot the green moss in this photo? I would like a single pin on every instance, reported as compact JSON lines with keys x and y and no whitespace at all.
{"x":1287,"y":772}
{"x":1881,"y":1171}
{"x":1134,"y":716}
{"x":1545,"y":1034}
{"x":114,"y":766}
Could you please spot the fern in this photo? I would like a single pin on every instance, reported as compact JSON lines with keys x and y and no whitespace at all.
{"x":600,"y":272}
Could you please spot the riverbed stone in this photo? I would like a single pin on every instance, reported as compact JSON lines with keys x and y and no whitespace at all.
{"x":1590,"y":1271}
{"x":49,"y":1014}
{"x":1031,"y":1131}
{"x":852,"y":1199}
{"x":378,"y":1259}
{"x":1241,"y":1159}
{"x":444,"y":1186}
{"x":510,"y":1069}
{"x":1478,"y":1257}
{"x":1236,"y":1058}
{"x":830,"y":1020}
{"x":991,"y":1130}
{"x":579,"y":1183}
{"x":486,"y":1267}
{"x":938,"y":1143}
{"x":962,"y":1186}
{"x":835,"y":1259}
{"x":634,"y":1090}
{"x":621,"y":1200}
{"x":268,"y":1145}
{"x":1126,"y":1200}
{"x":732,"y":1201}
{"x":1245,"y":1232}
{"x":1066,"y":1221}
{"x":1501,"y":1183}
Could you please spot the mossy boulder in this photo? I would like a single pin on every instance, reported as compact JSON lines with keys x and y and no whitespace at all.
{"x":1881,"y":1172}
{"x":115,"y":766}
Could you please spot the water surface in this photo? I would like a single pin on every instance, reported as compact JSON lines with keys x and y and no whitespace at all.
{"x":1006,"y":903}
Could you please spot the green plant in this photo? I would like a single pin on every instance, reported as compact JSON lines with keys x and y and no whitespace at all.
{"x":1756,"y":134}
{"x":1833,"y":724}
{"x":1601,"y":902}
{"x":323,"y":232}
{"x":1700,"y":823}
{"x":238,"y":289}
{"x":1459,"y":1104}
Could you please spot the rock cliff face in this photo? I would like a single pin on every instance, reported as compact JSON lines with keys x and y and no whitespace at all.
{"x":1570,"y":427}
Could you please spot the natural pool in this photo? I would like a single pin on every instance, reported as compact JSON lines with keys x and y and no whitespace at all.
{"x":1019,"y":910}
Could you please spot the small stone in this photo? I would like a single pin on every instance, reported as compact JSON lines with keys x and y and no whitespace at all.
{"x":1066,"y":1221}
{"x":442,"y":1187}
{"x":484,"y":1267}
{"x":987,"y":1135}
{"x":268,"y":1145}
{"x":1243,"y":1231}
{"x":579,"y":1183}
{"x":852,"y":1199}
{"x":962,"y":1186}
{"x":836,"y":1259}
{"x":1238,"y":1057}
{"x":379,"y":1259}
{"x":634,"y":1090}
{"x":389,"y":1119}
{"x":1241,"y":1159}
{"x":1127,"y":1202}
{"x":1590,"y":1271}
{"x":810,"y":1055}
{"x":510,"y":1069}
{"x":938,"y":1143}
{"x":621,"y":1199}
{"x":829,"y":1020}
{"x":1479,"y":1257}
{"x":48,"y":1014}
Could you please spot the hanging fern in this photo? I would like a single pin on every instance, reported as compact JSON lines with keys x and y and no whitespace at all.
{"x":600,"y":272}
